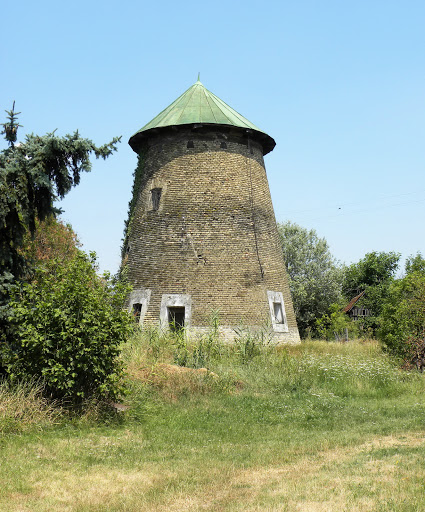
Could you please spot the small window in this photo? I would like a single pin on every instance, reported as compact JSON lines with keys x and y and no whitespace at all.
{"x":278,"y":313}
{"x":156,"y":197}
{"x":137,"y":310}
{"x":176,"y":318}
{"x":223,"y":145}
{"x":190,"y":144}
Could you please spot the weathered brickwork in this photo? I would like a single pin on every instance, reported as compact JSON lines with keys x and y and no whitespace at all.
{"x":212,"y":235}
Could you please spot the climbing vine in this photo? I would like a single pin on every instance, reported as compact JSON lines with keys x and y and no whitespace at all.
{"x":137,"y":185}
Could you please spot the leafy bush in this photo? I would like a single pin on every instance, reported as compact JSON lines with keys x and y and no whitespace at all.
{"x":332,"y":325}
{"x":402,"y":321}
{"x":68,"y":325}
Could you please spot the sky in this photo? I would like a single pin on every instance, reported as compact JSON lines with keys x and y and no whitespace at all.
{"x":338,"y":84}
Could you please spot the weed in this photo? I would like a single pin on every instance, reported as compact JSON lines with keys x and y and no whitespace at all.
{"x":23,"y":407}
{"x":250,"y":343}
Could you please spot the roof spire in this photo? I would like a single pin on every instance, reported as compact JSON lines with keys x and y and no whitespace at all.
{"x":199,"y":76}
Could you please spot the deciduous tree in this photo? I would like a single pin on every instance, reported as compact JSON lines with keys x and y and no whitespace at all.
{"x":373,"y":274}
{"x":315,"y":276}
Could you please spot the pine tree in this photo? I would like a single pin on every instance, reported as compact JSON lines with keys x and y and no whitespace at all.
{"x":33,"y":174}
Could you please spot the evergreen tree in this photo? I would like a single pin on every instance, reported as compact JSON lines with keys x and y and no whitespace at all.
{"x":33,"y":174}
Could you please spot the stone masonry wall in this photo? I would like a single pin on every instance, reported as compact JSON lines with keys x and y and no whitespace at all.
{"x":214,"y":235}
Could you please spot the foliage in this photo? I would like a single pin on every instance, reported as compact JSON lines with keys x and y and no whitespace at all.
{"x":415,"y":264}
{"x":375,"y":269}
{"x":68,"y":325}
{"x":135,"y":192}
{"x":33,"y":174}
{"x":52,"y":240}
{"x":402,"y":321}
{"x":314,"y":275}
{"x":374,"y":273}
{"x":332,"y":325}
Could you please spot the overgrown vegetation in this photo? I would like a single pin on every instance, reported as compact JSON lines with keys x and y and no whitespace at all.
{"x":320,"y":288}
{"x":23,"y":407}
{"x":60,"y":323}
{"x":300,"y":427}
{"x":68,"y":325}
{"x":403,"y":319}
{"x":135,"y":192}
{"x":315,"y":277}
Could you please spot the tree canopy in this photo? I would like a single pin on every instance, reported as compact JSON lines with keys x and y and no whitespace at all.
{"x":59,"y":321}
{"x":415,"y":264}
{"x":373,"y":274}
{"x":314,"y":275}
{"x":33,"y":174}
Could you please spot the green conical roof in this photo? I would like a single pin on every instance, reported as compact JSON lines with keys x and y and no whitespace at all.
{"x":198,"y":105}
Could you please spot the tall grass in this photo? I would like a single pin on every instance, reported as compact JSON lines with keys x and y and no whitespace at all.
{"x":23,"y":408}
{"x":316,"y":426}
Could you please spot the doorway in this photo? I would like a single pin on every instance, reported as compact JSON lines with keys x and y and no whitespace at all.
{"x":176,"y":316}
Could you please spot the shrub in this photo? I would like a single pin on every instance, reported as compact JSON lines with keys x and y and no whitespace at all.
{"x":402,"y":321}
{"x":333,"y":324}
{"x":68,"y":325}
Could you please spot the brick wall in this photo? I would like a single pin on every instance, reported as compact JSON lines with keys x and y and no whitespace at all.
{"x":214,"y":234}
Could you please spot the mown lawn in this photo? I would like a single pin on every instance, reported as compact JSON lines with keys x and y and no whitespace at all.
{"x":315,"y":427}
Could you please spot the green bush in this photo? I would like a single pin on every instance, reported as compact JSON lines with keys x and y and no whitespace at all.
{"x":402,"y":321}
{"x":68,"y":324}
{"x":332,"y":325}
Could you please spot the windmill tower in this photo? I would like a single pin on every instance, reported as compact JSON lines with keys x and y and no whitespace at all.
{"x":201,"y":234}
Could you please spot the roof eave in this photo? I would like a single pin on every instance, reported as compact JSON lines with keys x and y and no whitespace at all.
{"x":141,"y":137}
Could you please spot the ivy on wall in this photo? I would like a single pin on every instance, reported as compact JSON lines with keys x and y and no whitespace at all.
{"x":137,"y":185}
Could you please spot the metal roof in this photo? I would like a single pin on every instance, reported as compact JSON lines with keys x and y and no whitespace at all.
{"x":198,"y":105}
{"x":353,"y":301}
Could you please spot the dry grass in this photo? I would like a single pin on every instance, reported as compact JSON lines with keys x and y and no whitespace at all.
{"x":373,"y":476}
{"x":173,"y":382}
{"x":362,"y":478}
{"x":317,"y":427}
{"x":22,"y":408}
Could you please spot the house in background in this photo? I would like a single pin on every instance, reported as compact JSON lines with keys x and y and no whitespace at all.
{"x":355,"y":311}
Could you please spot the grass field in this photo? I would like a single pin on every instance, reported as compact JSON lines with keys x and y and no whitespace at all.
{"x":314,"y":427}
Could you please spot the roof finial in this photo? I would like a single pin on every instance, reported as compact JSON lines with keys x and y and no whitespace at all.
{"x":199,"y":76}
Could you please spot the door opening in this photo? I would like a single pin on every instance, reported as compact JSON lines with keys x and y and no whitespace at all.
{"x":176,"y":318}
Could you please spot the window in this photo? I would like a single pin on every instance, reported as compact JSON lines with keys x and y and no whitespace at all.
{"x":137,"y":310}
{"x":190,"y":144}
{"x":223,"y":145}
{"x":138,"y":304}
{"x":156,"y":197}
{"x":277,"y":311}
{"x":175,"y":312}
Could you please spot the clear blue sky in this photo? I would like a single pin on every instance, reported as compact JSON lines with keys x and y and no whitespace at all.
{"x":340,"y":85}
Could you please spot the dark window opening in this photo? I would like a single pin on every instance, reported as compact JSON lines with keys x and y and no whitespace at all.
{"x":156,"y":197}
{"x":190,"y":144}
{"x":137,"y":311}
{"x":176,"y":318}
{"x":223,"y":145}
{"x":278,"y":312}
